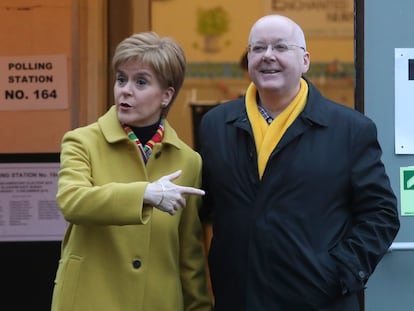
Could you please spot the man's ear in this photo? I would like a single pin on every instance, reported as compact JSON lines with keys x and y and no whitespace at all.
{"x":306,"y":61}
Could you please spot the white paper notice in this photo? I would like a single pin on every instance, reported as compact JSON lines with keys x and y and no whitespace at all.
{"x":28,"y":208}
{"x":404,"y":101}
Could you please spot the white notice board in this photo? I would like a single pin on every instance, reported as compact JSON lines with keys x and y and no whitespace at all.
{"x":404,"y":101}
{"x":28,"y":208}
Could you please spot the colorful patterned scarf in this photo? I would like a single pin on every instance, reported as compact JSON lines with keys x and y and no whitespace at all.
{"x":146,"y":150}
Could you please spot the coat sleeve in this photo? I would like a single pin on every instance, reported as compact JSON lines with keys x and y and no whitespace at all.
{"x":192,"y":257}
{"x":374,"y":210}
{"x":83,"y":199}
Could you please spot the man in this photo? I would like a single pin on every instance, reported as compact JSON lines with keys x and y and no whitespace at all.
{"x":300,"y":202}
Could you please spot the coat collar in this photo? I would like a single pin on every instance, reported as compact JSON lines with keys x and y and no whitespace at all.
{"x":113,"y":131}
{"x":313,"y":112}
{"x":314,"y":109}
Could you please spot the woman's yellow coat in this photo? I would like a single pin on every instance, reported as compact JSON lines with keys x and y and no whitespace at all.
{"x":117,"y":253}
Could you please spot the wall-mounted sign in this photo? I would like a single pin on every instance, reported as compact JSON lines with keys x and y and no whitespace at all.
{"x":404,"y":99}
{"x":317,"y":18}
{"x":407,"y":190}
{"x":33,"y":83}
{"x":28,"y":208}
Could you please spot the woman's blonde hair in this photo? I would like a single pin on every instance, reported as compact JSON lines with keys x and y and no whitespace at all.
{"x":163,"y":54}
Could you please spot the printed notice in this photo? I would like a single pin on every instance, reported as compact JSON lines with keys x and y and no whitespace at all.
{"x":28,"y":208}
{"x":33,"y":83}
{"x":404,"y":98}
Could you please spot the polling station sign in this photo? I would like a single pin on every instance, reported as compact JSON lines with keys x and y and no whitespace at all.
{"x":33,"y":83}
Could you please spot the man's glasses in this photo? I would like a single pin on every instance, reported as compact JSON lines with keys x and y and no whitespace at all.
{"x":259,"y":48}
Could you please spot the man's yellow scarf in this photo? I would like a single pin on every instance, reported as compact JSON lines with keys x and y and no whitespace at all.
{"x":267,"y":136}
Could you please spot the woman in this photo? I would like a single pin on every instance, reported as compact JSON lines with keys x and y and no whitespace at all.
{"x":128,"y":187}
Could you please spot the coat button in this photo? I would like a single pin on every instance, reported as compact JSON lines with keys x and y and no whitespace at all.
{"x":361,"y":274}
{"x":136,"y":264}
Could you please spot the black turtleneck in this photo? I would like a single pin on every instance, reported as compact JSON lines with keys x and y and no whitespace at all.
{"x":145,"y":133}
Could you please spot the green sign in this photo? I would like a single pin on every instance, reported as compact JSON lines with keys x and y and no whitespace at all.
{"x":408,"y":180}
{"x":407,"y":191}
